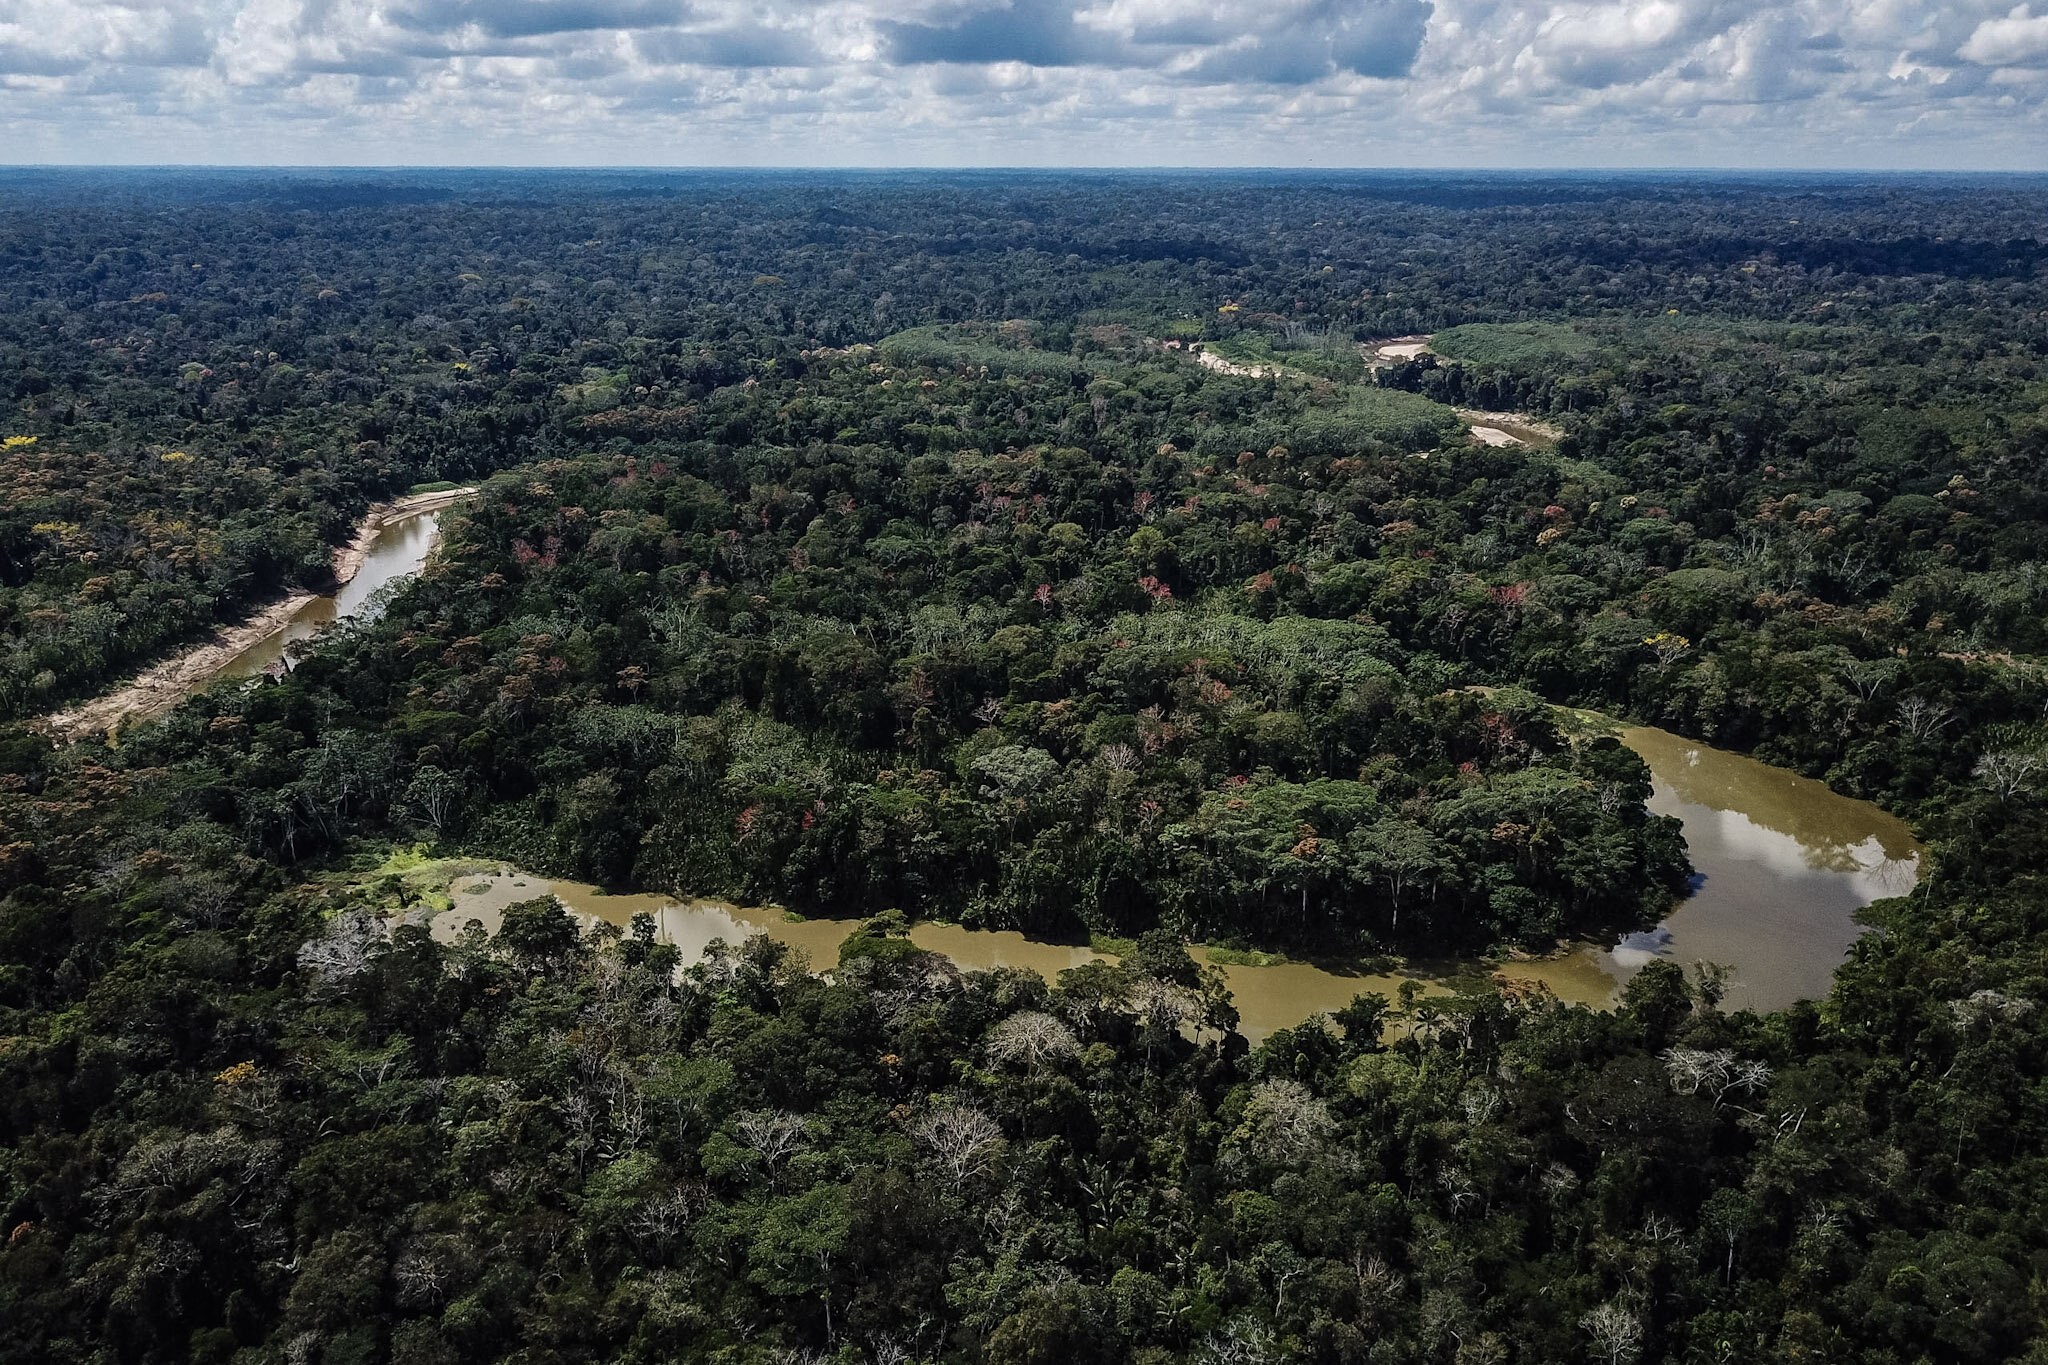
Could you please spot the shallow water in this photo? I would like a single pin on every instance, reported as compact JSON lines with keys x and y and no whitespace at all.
{"x":398,"y":552}
{"x":1783,"y":866}
{"x":693,"y":925}
{"x":1268,"y":998}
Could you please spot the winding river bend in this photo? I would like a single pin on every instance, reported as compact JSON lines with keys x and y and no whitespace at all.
{"x":1783,"y":864}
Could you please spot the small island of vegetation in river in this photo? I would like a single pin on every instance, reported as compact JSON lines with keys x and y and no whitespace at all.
{"x":911,"y":572}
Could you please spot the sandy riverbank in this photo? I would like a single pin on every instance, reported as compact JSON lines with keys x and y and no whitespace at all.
{"x":1509,"y":428}
{"x":348,"y":560}
{"x":1209,"y":360}
{"x":163,"y":686}
{"x":1514,"y":421}
{"x":1395,"y":351}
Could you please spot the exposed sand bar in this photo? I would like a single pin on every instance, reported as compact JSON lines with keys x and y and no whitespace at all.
{"x":1400,"y":348}
{"x":1520,"y":428}
{"x":163,"y":686}
{"x":1209,"y":360}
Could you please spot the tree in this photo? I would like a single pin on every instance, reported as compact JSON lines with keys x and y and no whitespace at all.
{"x":1031,"y":1037}
{"x":1286,"y":1123}
{"x":1397,"y":853}
{"x":1363,"y":1020}
{"x":1015,"y":771}
{"x":1162,"y":955}
{"x":539,"y":934}
{"x":772,"y":1134}
{"x":1244,"y":1340}
{"x":1616,"y":1331}
{"x":345,"y":950}
{"x":2007,"y":772}
{"x":962,"y":1141}
{"x":795,"y":1243}
{"x":434,"y":795}
{"x":1717,"y":1072}
{"x":1658,"y":998}
{"x":1729,"y":1216}
{"x":1922,"y":719}
{"x":1060,"y":1324}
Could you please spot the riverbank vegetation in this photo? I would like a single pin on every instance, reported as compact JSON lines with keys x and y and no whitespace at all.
{"x":882,"y":559}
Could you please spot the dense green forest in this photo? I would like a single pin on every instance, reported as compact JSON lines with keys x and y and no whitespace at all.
{"x":877,"y":546}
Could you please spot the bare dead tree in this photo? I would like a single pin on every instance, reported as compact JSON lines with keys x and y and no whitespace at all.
{"x":1118,"y":757}
{"x":1244,"y":1340}
{"x":1922,"y":719}
{"x":1617,"y":1333}
{"x":772,"y":1134}
{"x":421,"y":1277}
{"x":2007,"y":772}
{"x":1377,"y":1282}
{"x":1288,"y":1122}
{"x":961,"y":1140}
{"x":1031,"y":1037}
{"x":1718,"y":1072}
{"x":344,"y":951}
{"x":662,"y":1219}
{"x":1988,"y":1007}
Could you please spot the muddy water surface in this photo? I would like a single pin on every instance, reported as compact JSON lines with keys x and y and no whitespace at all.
{"x":1784,"y":864}
{"x":692,"y":925}
{"x":1268,"y":997}
{"x":398,"y":552}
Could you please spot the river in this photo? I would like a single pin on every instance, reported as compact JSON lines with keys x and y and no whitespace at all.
{"x":400,"y":547}
{"x":1783,"y":864}
{"x":392,"y":543}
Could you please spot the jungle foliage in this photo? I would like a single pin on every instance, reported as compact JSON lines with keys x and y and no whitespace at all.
{"x":875,"y":545}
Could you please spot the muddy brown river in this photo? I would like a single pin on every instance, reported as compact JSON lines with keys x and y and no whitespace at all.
{"x":1783,"y":866}
{"x":399,"y":550}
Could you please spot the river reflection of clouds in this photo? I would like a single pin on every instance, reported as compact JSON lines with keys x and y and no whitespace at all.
{"x":1820,"y":820}
{"x":1783,"y":866}
{"x":1872,"y":870}
{"x":1636,"y":951}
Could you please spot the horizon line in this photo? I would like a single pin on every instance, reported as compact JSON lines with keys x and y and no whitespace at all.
{"x":994,"y":168}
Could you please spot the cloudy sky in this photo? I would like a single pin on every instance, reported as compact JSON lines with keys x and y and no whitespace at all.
{"x":1851,"y":83}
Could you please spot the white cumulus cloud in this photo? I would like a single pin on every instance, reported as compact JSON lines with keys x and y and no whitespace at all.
{"x":2018,"y":39}
{"x":1937,"y":83}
